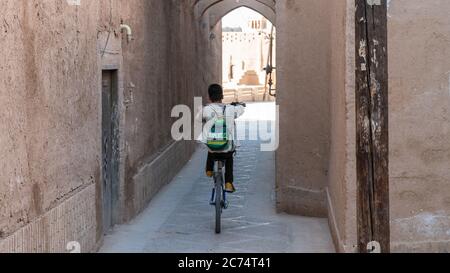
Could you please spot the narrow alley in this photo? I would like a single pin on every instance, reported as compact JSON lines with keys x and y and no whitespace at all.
{"x":180,"y":219}
{"x":100,"y":104}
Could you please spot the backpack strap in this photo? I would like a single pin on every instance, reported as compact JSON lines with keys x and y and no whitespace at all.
{"x":224,"y":111}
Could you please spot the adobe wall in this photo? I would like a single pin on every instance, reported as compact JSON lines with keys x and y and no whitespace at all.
{"x":419,"y":68}
{"x":341,"y":191}
{"x":303,"y":49}
{"x":52,"y":55}
{"x":50,"y":137}
{"x":172,"y":60}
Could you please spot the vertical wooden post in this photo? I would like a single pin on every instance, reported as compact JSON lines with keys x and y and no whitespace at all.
{"x":372,"y":124}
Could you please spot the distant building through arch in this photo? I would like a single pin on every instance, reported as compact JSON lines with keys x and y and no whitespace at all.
{"x":247,"y":50}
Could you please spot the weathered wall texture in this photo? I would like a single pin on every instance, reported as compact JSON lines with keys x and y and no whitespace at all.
{"x":419,"y":52}
{"x":341,"y":192}
{"x":51,"y":58}
{"x":419,"y":65}
{"x":171,"y":60}
{"x":49,"y":115}
{"x":303,"y":96}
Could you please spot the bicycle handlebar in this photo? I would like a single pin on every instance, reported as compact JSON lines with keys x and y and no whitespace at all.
{"x":239,"y":103}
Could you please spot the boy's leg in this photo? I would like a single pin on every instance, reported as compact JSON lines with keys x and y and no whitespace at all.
{"x":229,"y":173}
{"x":210,"y":165}
{"x":229,"y":168}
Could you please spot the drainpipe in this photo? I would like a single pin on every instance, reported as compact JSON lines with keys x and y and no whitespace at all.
{"x":127,"y":28}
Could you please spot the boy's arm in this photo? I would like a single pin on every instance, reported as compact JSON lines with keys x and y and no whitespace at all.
{"x":199,"y":113}
{"x":239,"y":110}
{"x":206,"y":113}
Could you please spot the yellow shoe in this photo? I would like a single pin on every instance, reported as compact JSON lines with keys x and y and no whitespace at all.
{"x":209,"y":174}
{"x":229,"y":187}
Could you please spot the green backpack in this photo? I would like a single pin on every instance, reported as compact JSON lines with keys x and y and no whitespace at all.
{"x":217,"y":138}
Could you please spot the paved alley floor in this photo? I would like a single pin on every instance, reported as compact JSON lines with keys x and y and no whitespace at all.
{"x":179,"y":219}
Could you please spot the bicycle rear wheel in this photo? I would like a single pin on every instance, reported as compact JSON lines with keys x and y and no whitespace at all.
{"x":219,"y":197}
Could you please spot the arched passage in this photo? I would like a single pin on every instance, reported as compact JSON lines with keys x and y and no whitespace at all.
{"x":303,"y":98}
{"x":217,"y":9}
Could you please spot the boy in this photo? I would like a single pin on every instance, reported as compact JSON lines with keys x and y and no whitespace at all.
{"x":211,"y":111}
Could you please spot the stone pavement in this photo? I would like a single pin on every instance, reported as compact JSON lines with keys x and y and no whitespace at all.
{"x":180,"y":219}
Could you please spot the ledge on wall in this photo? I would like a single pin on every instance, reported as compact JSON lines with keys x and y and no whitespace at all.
{"x":299,"y":201}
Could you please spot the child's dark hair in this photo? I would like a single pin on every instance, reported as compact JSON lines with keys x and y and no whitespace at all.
{"x":215,"y":93}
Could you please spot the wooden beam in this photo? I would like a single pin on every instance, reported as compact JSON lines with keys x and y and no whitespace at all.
{"x":372,"y":124}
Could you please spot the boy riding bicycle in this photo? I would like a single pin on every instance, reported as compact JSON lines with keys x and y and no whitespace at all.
{"x":221,"y":148}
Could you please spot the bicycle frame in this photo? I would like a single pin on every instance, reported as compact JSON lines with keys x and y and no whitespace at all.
{"x":218,"y":179}
{"x":219,"y":197}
